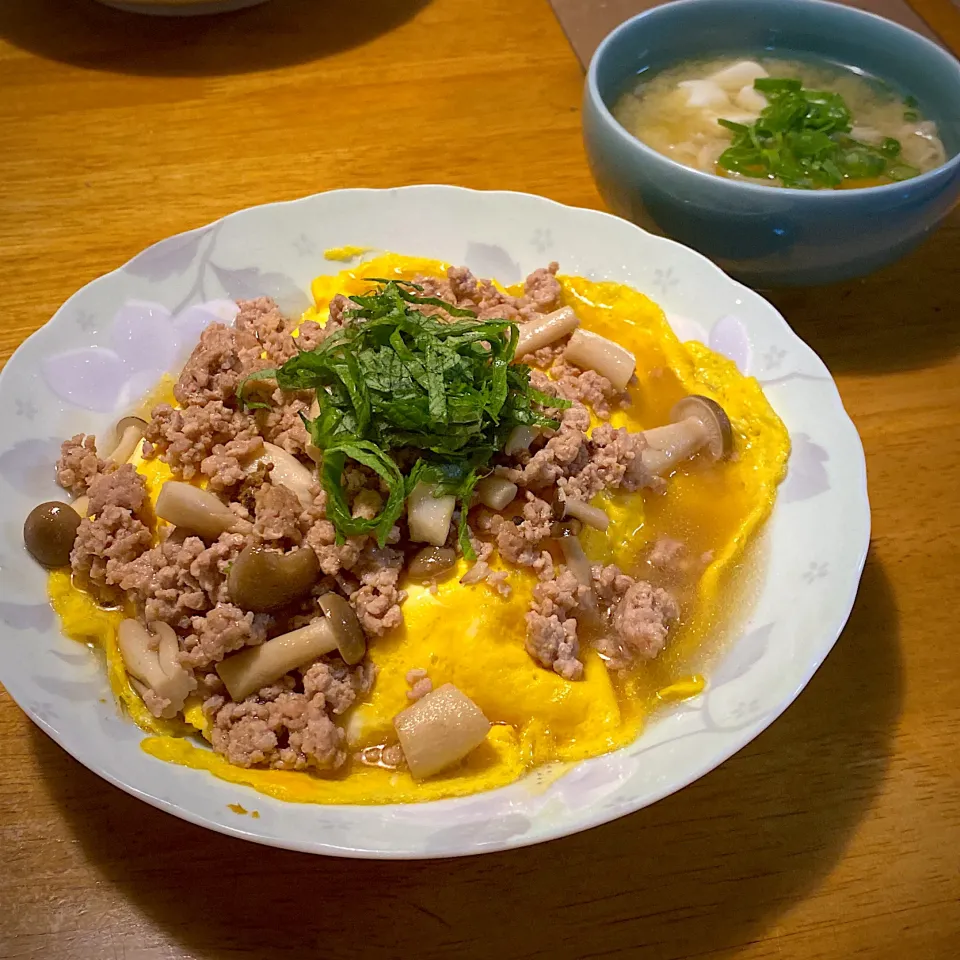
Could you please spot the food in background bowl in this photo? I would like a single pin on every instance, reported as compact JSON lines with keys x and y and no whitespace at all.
{"x":371,"y":558}
{"x":773,"y":237}
{"x":785,"y":123}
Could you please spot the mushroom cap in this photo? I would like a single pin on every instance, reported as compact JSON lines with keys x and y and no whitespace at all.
{"x":50,"y":531}
{"x":350,"y":637}
{"x":713,"y":417}
{"x":124,"y":423}
{"x":430,"y":563}
{"x":263,"y":580}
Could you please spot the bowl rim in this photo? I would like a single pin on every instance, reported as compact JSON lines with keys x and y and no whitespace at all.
{"x":676,"y":7}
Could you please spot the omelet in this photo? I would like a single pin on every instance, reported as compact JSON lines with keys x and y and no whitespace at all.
{"x":472,"y":637}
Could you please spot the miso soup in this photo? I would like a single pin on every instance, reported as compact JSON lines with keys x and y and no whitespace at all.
{"x":787,"y":123}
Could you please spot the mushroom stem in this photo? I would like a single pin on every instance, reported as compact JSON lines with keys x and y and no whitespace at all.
{"x":699,"y":423}
{"x":543,"y":331}
{"x":672,"y":444}
{"x":609,"y":359}
{"x":246,"y":672}
{"x":590,"y":515}
{"x":520,"y":439}
{"x":196,"y":510}
{"x":577,"y":561}
{"x":130,"y":431}
{"x":429,"y":516}
{"x":289,"y":471}
{"x":153,"y":660}
{"x":439,"y":730}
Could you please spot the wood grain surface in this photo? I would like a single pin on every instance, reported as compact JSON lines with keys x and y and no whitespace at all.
{"x":836,"y":834}
{"x":587,"y":22}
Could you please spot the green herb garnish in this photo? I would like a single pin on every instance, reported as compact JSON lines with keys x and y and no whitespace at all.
{"x":442,"y":393}
{"x":802,"y":138}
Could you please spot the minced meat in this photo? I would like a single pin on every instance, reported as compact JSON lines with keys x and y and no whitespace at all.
{"x":221,"y":359}
{"x":104,"y":546}
{"x":184,"y":438}
{"x":122,"y":487}
{"x":183,"y":581}
{"x":79,"y":464}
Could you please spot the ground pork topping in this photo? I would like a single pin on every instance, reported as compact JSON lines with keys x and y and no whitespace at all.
{"x":184,"y":438}
{"x":122,"y":487}
{"x":542,"y":294}
{"x":520,"y":543}
{"x":552,"y":624}
{"x":637,"y":617}
{"x":564,"y":454}
{"x":79,"y":464}
{"x":612,"y":459}
{"x":541,"y":290}
{"x":339,"y":685}
{"x":221,"y":359}
{"x":259,"y":318}
{"x":281,"y":424}
{"x":223,"y":630}
{"x":420,"y":684}
{"x":278,"y":512}
{"x":587,"y":387}
{"x":339,"y":305}
{"x":105,"y":545}
{"x":180,"y":578}
{"x":321,"y":537}
{"x":229,"y":464}
{"x":377,"y":599}
{"x":291,"y":732}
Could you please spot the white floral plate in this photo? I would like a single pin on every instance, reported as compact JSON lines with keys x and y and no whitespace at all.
{"x":110,"y":341}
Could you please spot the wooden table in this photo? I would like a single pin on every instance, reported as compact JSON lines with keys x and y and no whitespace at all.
{"x":836,"y":834}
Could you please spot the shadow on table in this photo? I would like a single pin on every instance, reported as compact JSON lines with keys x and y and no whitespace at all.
{"x":275,"y":34}
{"x":702,"y":871}
{"x":903,"y":317}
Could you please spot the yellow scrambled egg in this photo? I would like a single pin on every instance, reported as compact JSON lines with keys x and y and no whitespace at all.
{"x":472,"y":637}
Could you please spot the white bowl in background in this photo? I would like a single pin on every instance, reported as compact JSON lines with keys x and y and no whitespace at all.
{"x":180,"y":8}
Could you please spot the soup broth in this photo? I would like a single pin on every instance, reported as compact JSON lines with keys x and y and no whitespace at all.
{"x":734,"y":118}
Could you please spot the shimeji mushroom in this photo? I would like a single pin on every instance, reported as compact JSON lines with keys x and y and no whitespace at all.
{"x":193,"y":509}
{"x":49,"y":533}
{"x":428,"y":515}
{"x":439,"y":730}
{"x":590,"y":515}
{"x":520,"y":439}
{"x":130,"y":431}
{"x":698,"y":424}
{"x":545,"y":330}
{"x":246,"y":672}
{"x":430,"y":563}
{"x":565,"y":532}
{"x":290,"y":472}
{"x":153,"y":660}
{"x":590,"y":351}
{"x":262,"y":580}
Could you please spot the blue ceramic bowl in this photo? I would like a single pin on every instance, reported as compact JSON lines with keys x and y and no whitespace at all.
{"x":762,"y":235}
